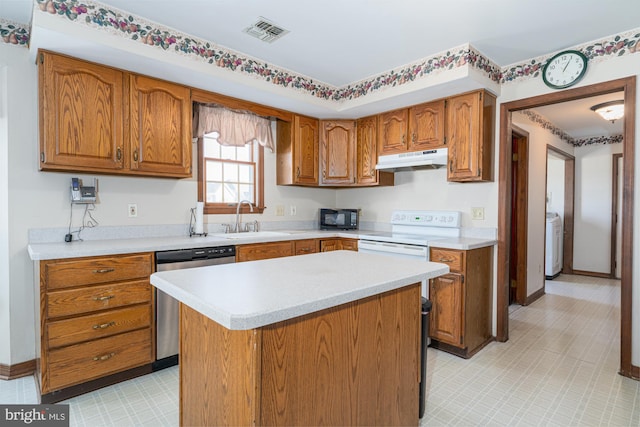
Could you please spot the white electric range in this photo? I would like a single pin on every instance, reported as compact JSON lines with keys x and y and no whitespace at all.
{"x":412,"y":233}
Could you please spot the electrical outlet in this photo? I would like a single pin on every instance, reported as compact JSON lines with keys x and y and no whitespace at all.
{"x":133,"y":210}
{"x":279,"y":210}
{"x":292,"y":210}
{"x":477,"y":213}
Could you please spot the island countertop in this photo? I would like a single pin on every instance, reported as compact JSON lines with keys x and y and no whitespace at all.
{"x":253,"y":294}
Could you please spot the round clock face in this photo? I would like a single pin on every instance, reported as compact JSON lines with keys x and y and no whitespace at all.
{"x":564,"y":69}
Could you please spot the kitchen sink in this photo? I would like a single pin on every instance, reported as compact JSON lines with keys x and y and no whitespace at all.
{"x":251,"y":234}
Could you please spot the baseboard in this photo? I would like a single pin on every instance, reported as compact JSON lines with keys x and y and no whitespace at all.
{"x":592,"y":274}
{"x":10,"y":372}
{"x":534,"y":296}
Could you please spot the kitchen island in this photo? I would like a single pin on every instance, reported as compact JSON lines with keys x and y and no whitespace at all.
{"x":323,"y":339}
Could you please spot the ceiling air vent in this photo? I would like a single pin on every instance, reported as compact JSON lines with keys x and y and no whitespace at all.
{"x":265,"y":30}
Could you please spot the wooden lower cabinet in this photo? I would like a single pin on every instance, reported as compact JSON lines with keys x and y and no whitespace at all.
{"x":354,"y":364}
{"x":257,"y":251}
{"x":306,"y":246}
{"x":460,"y":319}
{"x":338,"y":244}
{"x":95,"y":323}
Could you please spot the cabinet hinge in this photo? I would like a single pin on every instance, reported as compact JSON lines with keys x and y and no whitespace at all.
{"x":444,"y":141}
{"x":515,"y":157}
{"x":42,"y":156}
{"x":462,"y":279}
{"x":514,"y":283}
{"x":445,"y":103}
{"x":41,"y":58}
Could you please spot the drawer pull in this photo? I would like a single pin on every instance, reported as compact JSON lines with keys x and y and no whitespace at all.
{"x":104,"y":325}
{"x":445,"y":260}
{"x":104,"y":357}
{"x":105,"y":298}
{"x":104,"y":270}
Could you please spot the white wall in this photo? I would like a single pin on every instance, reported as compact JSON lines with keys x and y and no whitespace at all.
{"x":41,"y":200}
{"x":423,"y":189}
{"x":539,"y":138}
{"x":5,"y":290}
{"x":601,"y":71}
{"x":592,"y":224}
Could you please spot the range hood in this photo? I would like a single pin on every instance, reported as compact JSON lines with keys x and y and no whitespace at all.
{"x":413,"y":160}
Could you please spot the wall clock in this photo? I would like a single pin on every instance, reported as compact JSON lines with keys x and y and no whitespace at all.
{"x":564,"y":69}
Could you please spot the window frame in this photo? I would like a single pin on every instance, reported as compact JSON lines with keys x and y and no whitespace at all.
{"x":230,"y":208}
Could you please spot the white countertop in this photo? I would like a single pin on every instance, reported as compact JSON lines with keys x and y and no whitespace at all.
{"x":254,"y":294}
{"x":463,"y":243}
{"x":76,"y":249}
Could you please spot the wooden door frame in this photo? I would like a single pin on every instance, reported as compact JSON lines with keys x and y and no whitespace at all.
{"x":569,"y":206}
{"x":614,"y":211}
{"x":628,"y":86}
{"x":522,"y":226}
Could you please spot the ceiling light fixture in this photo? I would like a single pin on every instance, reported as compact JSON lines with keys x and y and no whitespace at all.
{"x":612,"y":110}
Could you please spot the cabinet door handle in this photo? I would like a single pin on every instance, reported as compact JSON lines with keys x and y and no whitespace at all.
{"x":451,"y":166}
{"x":104,"y":357}
{"x":104,"y":270}
{"x":119,"y":153}
{"x":135,"y":156}
{"x":104,"y":325}
{"x":298,"y":172}
{"x":104,"y":298}
{"x":403,"y":138}
{"x":413,"y":137}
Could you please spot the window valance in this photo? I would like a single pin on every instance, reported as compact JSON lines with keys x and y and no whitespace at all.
{"x":233,"y":128}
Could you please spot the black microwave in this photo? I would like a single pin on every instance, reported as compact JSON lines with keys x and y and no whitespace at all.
{"x":338,"y":219}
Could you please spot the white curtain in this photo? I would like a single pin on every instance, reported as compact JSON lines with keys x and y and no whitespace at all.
{"x":233,"y":128}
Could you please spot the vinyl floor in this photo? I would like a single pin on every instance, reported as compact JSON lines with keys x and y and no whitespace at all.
{"x":559,"y":368}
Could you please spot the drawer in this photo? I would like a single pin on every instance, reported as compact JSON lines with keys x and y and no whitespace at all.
{"x":83,"y":362}
{"x":307,"y":246}
{"x":263,"y":251}
{"x":86,"y":328}
{"x":100,"y":297}
{"x":87,"y":271}
{"x":453,"y":258}
{"x":350,"y":245}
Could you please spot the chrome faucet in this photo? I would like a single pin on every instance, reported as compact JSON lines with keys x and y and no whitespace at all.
{"x":238,"y":213}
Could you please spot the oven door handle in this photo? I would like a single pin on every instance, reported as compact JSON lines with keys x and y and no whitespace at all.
{"x":393,"y":248}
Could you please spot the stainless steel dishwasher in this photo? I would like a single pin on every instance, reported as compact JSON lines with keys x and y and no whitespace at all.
{"x":167,"y":317}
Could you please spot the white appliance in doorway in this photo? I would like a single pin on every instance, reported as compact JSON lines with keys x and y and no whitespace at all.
{"x":411,"y":235}
{"x":553,"y":246}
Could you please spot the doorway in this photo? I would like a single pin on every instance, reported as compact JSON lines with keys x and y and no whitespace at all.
{"x":568,"y":203}
{"x":628,"y":86}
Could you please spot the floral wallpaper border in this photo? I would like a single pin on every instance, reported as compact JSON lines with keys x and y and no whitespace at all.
{"x":99,"y":16}
{"x":543,"y":123}
{"x":14,"y":33}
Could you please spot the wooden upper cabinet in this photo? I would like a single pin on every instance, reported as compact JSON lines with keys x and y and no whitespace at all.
{"x":392,"y":132}
{"x":426,"y":126}
{"x":306,"y":148}
{"x":337,"y":151}
{"x":367,"y":150}
{"x":160,"y":121}
{"x":81,"y":115}
{"x":297,"y":151}
{"x":95,"y":118}
{"x":470,"y":132}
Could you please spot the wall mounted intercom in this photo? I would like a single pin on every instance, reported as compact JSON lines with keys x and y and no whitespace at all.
{"x":81,"y":193}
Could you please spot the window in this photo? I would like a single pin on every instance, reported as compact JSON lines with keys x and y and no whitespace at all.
{"x":230,"y":173}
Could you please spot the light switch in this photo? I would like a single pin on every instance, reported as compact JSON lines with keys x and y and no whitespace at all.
{"x":477,"y":213}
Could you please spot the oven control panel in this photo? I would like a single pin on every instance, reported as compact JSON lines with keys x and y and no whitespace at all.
{"x":426,"y":218}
